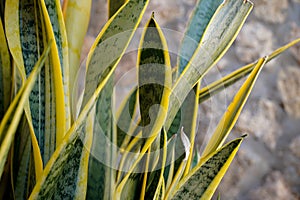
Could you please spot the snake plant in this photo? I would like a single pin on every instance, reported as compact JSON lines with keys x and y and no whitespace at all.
{"x":55,"y":147}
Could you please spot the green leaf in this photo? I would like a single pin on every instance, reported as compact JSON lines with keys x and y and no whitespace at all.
{"x":5,"y":74}
{"x":63,"y":170}
{"x":198,"y":22}
{"x":65,"y":174}
{"x":131,"y":189}
{"x":125,"y":119}
{"x":58,"y":68}
{"x":156,"y":178}
{"x":201,"y":16}
{"x":12,"y":117}
{"x":154,"y":81}
{"x":233,"y":111}
{"x":28,"y":31}
{"x":101,"y":174}
{"x":189,"y":121}
{"x":217,"y":38}
{"x":170,"y":162}
{"x":154,"y":78}
{"x":180,"y":166}
{"x":203,"y":180}
{"x":57,"y":32}
{"x":114,"y":6}
{"x":111,"y":42}
{"x":21,"y":176}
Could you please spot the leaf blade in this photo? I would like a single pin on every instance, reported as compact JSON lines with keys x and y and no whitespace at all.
{"x":205,"y":177}
{"x":233,"y":111}
{"x":7,"y":130}
{"x":202,"y":14}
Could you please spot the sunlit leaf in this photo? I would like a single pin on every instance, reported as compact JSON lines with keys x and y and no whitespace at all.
{"x":233,"y":111}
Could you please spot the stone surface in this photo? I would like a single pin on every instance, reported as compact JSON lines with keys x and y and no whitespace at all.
{"x":289,"y":88}
{"x":275,"y":187}
{"x":260,"y":118}
{"x":274,"y":11}
{"x":295,"y":146}
{"x":88,"y":42}
{"x":295,"y":33}
{"x":253,"y":42}
{"x":166,"y":11}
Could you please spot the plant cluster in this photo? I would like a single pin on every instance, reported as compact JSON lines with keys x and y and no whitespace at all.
{"x":55,"y":147}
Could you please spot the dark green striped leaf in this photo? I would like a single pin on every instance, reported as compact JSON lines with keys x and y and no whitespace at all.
{"x":154,"y":78}
{"x":205,"y":177}
{"x":201,"y":16}
{"x":9,"y":124}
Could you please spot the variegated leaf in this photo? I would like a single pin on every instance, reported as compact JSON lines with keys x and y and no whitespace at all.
{"x":230,"y":117}
{"x":203,"y":180}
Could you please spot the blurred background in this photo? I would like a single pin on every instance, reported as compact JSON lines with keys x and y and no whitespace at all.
{"x":268,"y":163}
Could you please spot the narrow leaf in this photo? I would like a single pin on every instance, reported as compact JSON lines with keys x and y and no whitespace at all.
{"x":201,"y":16}
{"x":230,"y":79}
{"x":156,"y":178}
{"x":58,"y":66}
{"x":101,"y":171}
{"x":154,"y":78}
{"x":203,"y":180}
{"x":111,"y":42}
{"x":26,"y":41}
{"x":12,"y":117}
{"x":153,"y":56}
{"x":126,"y":119}
{"x":57,"y":32}
{"x":233,"y":111}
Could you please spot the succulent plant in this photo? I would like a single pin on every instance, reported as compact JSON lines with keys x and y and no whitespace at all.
{"x":54,"y":146}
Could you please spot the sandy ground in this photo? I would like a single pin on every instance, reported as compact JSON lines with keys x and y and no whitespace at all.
{"x":268,"y":164}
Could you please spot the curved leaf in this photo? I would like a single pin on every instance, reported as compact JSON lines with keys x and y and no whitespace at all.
{"x":154,"y":87}
{"x":58,"y":67}
{"x":125,"y":119}
{"x":156,"y":178}
{"x":62,"y":169}
{"x":26,"y":36}
{"x":12,"y":117}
